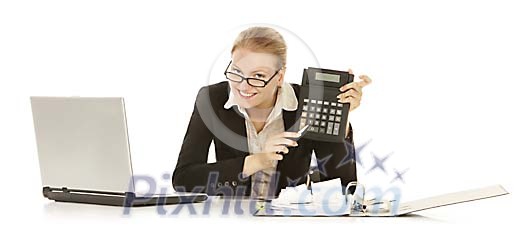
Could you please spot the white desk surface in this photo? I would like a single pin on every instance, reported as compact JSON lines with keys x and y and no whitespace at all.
{"x":485,"y":218}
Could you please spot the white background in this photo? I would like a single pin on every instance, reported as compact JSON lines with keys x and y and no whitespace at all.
{"x":445,"y":99}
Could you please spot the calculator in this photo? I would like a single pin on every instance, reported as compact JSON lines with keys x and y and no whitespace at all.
{"x":327,"y":118}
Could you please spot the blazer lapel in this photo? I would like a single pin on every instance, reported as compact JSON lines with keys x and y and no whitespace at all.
{"x":234,"y":129}
{"x":236,"y":123}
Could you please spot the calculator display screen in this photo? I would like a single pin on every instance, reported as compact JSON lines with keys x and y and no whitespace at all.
{"x":327,"y":77}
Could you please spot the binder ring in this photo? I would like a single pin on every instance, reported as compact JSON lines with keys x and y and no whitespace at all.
{"x":356,"y":206}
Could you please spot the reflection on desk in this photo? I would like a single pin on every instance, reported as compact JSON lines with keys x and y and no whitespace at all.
{"x":213,"y":207}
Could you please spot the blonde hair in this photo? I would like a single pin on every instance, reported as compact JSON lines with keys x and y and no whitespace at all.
{"x":262,"y":39}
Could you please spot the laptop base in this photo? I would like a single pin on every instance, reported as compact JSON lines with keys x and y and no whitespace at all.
{"x":127,"y":199}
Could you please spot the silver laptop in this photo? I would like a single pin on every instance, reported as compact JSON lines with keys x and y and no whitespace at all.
{"x":84,"y":153}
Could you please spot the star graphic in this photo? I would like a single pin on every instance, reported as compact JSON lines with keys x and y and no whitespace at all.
{"x":379,"y":162}
{"x":350,"y":154}
{"x":293,"y":182}
{"x":321,"y":165}
{"x":399,"y":175}
{"x":358,"y":151}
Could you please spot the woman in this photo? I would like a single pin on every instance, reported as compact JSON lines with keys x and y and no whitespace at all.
{"x":249,"y":118}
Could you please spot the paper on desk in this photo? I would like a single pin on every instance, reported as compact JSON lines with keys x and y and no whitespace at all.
{"x":325,"y":199}
{"x":293,"y":195}
{"x":322,"y":193}
{"x":328,"y":191}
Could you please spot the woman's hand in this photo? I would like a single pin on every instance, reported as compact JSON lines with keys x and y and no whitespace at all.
{"x":273,"y":150}
{"x":352,"y":92}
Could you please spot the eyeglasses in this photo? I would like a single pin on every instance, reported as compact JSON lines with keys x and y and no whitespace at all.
{"x":254,"y":82}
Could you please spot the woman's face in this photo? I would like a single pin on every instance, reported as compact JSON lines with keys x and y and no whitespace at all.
{"x":255,"y":65}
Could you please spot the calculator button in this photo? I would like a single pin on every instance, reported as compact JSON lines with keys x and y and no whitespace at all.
{"x":312,"y":129}
{"x":325,"y":110}
{"x":323,"y":117}
{"x":339,"y":112}
{"x":330,"y":118}
{"x":340,"y":105}
{"x":311,"y":115}
{"x":306,"y":100}
{"x":332,"y":111}
{"x":321,"y":130}
{"x":338,"y":119}
{"x":318,"y":109}
{"x":329,"y":128}
{"x":325,"y":103}
{"x":310,"y":122}
{"x":312,"y":101}
{"x":336,"y":129}
{"x":312,"y":108}
{"x":317,"y":115}
{"x":323,"y":124}
{"x":319,"y":102}
{"x":304,"y":114}
{"x":333,"y":104}
{"x":305,"y":108}
{"x":316,"y":122}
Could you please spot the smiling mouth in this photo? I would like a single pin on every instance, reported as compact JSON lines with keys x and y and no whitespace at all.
{"x":246,"y":95}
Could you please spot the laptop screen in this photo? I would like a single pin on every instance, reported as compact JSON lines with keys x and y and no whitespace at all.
{"x":83,"y":143}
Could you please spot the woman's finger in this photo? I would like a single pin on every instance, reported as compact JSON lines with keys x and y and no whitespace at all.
{"x":282,"y":141}
{"x":280,"y":149}
{"x":275,"y":156}
{"x":366,"y":80}
{"x":353,"y":89}
{"x":353,"y":93}
{"x":356,"y":86}
{"x":347,"y":96}
{"x":288,"y":135}
{"x":347,"y":86}
{"x":357,"y":90}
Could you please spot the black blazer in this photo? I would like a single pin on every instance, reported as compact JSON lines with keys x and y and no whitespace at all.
{"x":226,"y":128}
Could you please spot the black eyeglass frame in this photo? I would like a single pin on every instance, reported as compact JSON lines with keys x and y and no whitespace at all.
{"x":248,"y":79}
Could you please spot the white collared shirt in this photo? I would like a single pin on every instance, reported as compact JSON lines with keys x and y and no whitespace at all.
{"x":274,"y":124}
